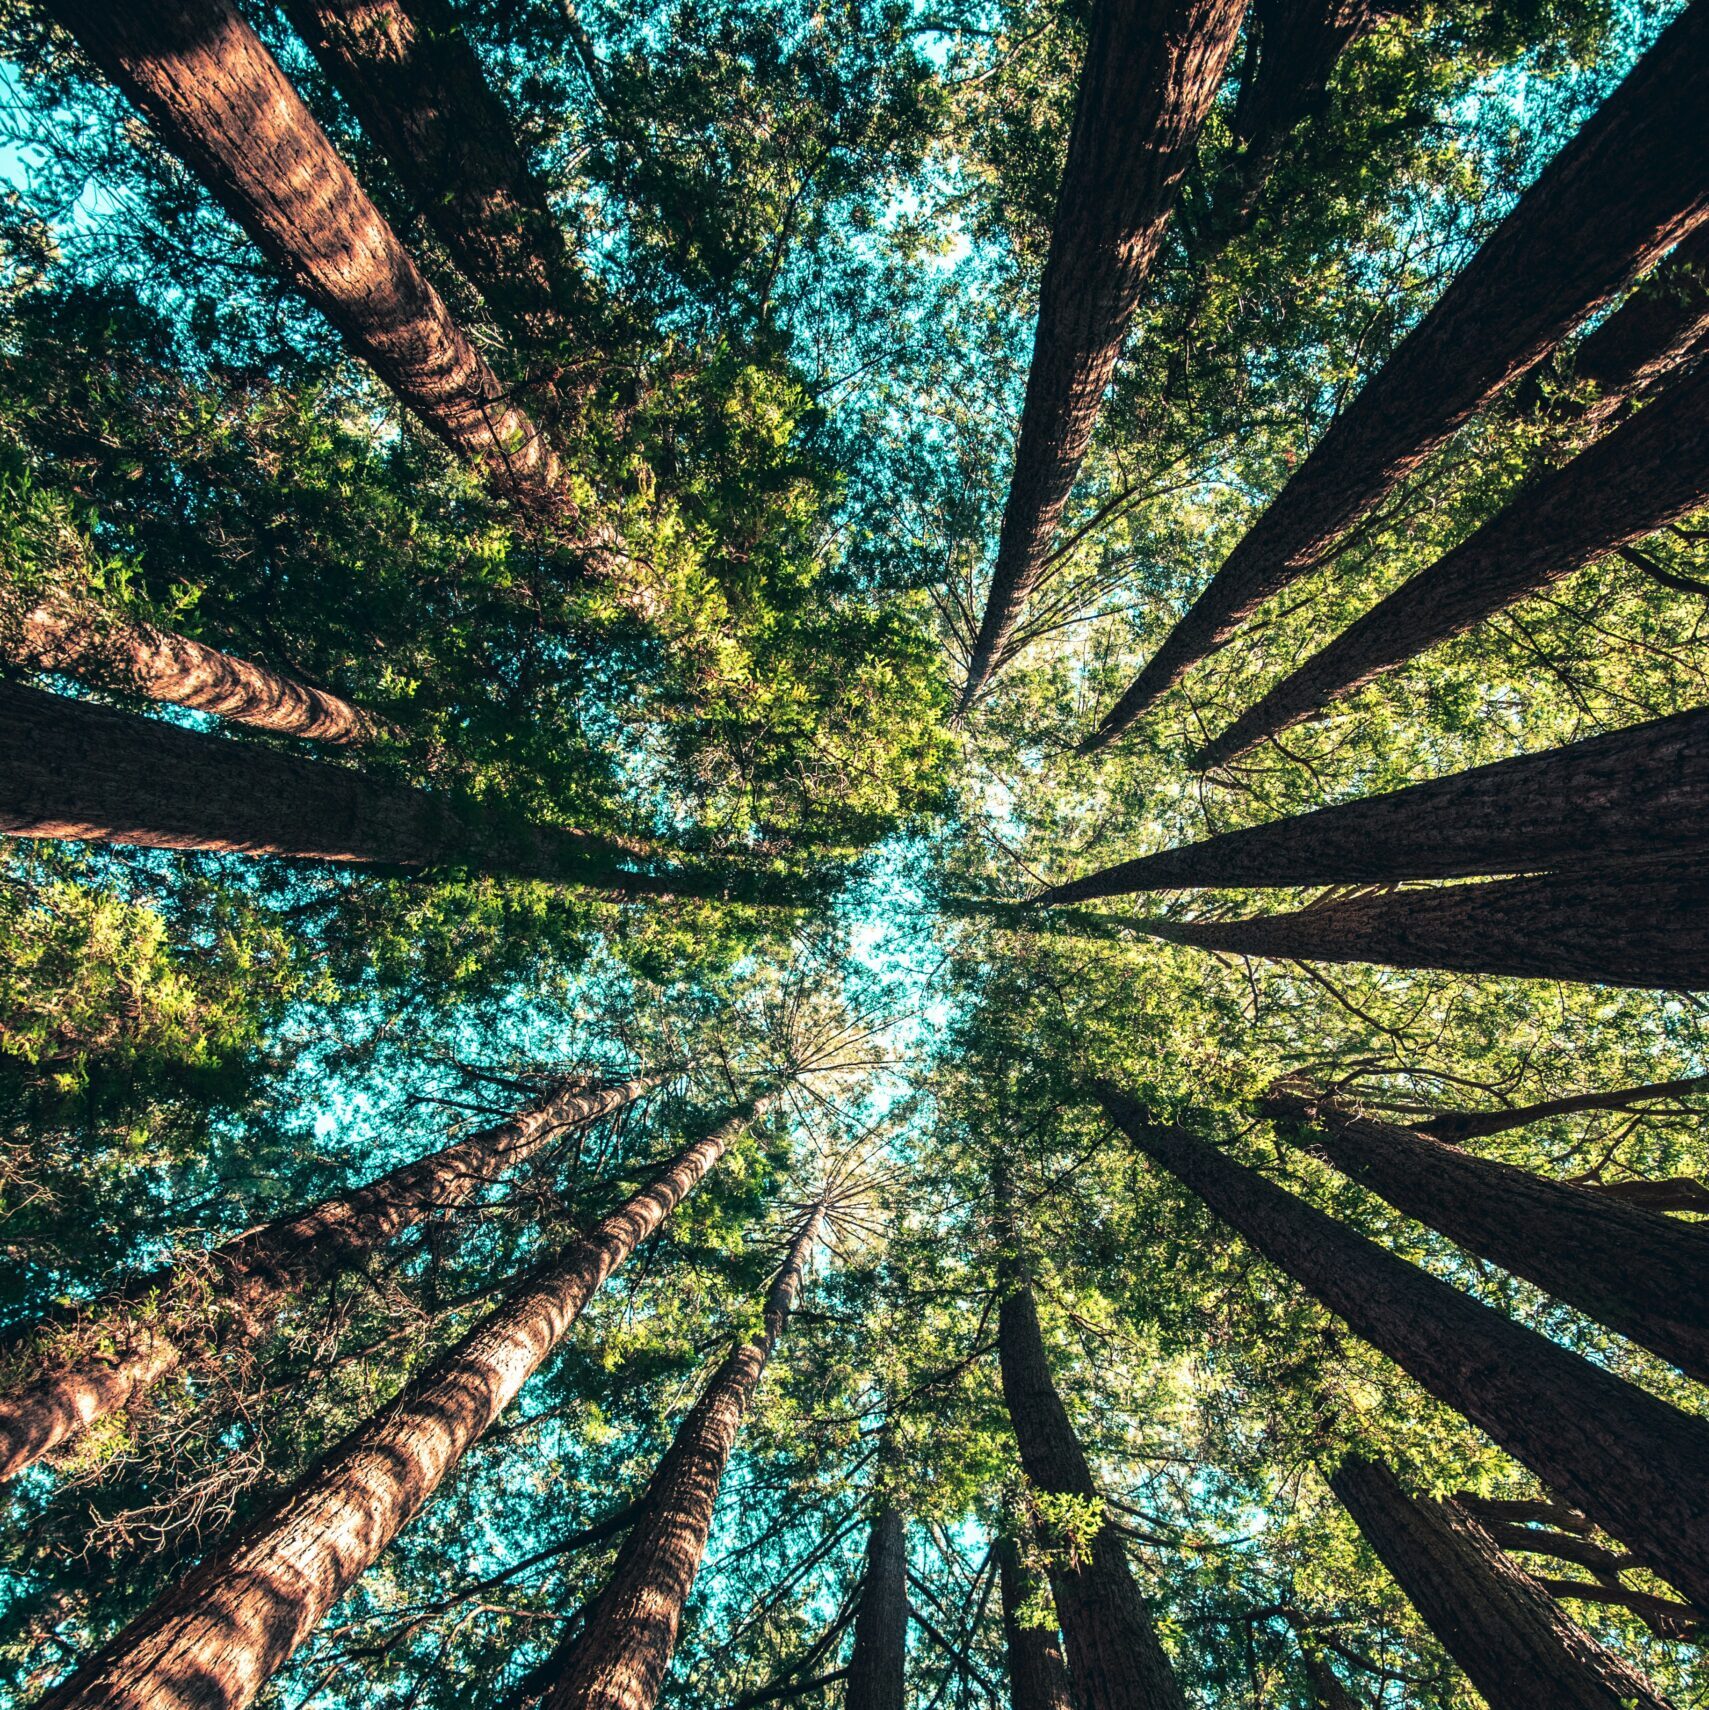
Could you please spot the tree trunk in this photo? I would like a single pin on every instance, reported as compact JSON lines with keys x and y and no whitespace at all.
{"x":220,"y":100}
{"x":1673,"y":1193}
{"x":878,"y":1664}
{"x":1642,"y":926}
{"x":213,"y":1641}
{"x":1628,"y":796}
{"x":1514,"y":1641}
{"x":618,"y":1659}
{"x":1628,"y":1460}
{"x":1038,"y":1677}
{"x":1649,"y":472}
{"x":1622,"y":193}
{"x":1326,"y":1689}
{"x":1152,"y":70}
{"x":252,"y":1277}
{"x":1559,"y":1546}
{"x":1460,"y":1125}
{"x":1642,"y":1274}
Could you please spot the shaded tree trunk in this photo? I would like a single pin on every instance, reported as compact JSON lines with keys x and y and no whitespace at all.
{"x":214,"y":1639}
{"x":1152,"y":70}
{"x":878,"y":1663}
{"x":1642,"y":1274}
{"x":1514,"y":1641}
{"x":221,"y":102}
{"x":249,"y":1280}
{"x":1038,"y":1677}
{"x":1326,"y":1689}
{"x":1673,"y":1193}
{"x":619,"y":1657}
{"x":1459,"y":1125}
{"x":1649,"y":472}
{"x":1665,"y":1618}
{"x":1624,"y":1457}
{"x":1622,"y":193}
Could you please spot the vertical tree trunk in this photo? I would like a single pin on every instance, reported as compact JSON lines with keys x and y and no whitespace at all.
{"x":618,"y":1660}
{"x":249,"y":1280}
{"x":1038,"y":1677}
{"x":1630,"y":1461}
{"x":878,"y":1663}
{"x":1152,"y":70}
{"x":1326,"y":1689}
{"x":1642,"y":1274}
{"x":1622,"y":193}
{"x":213,"y":1641}
{"x":1514,"y":1641}
{"x":1460,"y":1125}
{"x":1649,"y":472}
{"x":220,"y":100}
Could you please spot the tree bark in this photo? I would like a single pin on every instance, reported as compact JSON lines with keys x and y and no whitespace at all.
{"x":1665,"y":1618}
{"x":221,"y":102}
{"x":1326,"y":1689}
{"x":213,"y":1641}
{"x":1625,"y":1458}
{"x":1152,"y":70}
{"x":1652,"y":470}
{"x":878,"y":1663}
{"x":1621,"y":194}
{"x":1638,"y":1272}
{"x":250,"y":1279}
{"x":1673,"y":1193}
{"x":1644,"y":926}
{"x":618,"y":1660}
{"x":1459,"y":1125}
{"x":1514,"y":1641}
{"x":1038,"y":1676}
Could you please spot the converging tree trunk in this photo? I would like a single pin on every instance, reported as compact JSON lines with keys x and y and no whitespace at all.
{"x":236,"y":1291}
{"x":1516,"y":1644}
{"x":1652,"y":470}
{"x":1622,"y":193}
{"x":212,"y":1641}
{"x":1642,"y":1274}
{"x":618,"y":1658}
{"x":1038,"y":1676}
{"x":878,"y":1664}
{"x":1460,"y":1125}
{"x":1621,"y":1455}
{"x":1152,"y":70}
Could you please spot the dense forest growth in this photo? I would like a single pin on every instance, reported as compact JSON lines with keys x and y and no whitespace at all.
{"x":854,"y":854}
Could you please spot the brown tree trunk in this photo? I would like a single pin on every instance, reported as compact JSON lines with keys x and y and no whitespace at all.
{"x":1629,"y":796}
{"x":878,"y":1663}
{"x":1665,"y":1618}
{"x":1673,"y":1193}
{"x":618,"y":1660}
{"x":1038,"y":1677}
{"x":1649,"y":472}
{"x":213,"y":1641}
{"x":1326,"y":1689}
{"x":1642,"y":926}
{"x":1460,"y":1125}
{"x":1622,"y":193}
{"x":249,"y":1280}
{"x":1626,"y":1458}
{"x":1152,"y":70}
{"x":1642,"y":1274}
{"x":1514,"y":1641}
{"x":220,"y":100}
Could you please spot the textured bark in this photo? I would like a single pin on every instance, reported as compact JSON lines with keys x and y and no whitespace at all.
{"x":1559,"y":1546}
{"x":618,"y":1660}
{"x":1514,"y":1641}
{"x":1641,"y":1274}
{"x":249,"y":1280}
{"x":878,"y":1663}
{"x":1326,"y":1689}
{"x":1672,"y":1193}
{"x":1624,"y":191}
{"x":1628,"y":796}
{"x":1038,"y":1677}
{"x":1152,"y":70}
{"x":1665,"y":1618}
{"x":1459,"y":1125}
{"x":212,"y":1641}
{"x":1627,"y":1459}
{"x":1526,"y":1510}
{"x":1638,"y":926}
{"x":221,"y":102}
{"x":1652,"y":470}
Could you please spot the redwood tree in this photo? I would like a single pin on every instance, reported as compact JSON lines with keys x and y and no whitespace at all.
{"x":878,"y":1663}
{"x":1038,"y":1676}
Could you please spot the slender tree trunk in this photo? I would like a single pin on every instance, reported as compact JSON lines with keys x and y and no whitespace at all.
{"x":249,"y":1280}
{"x":213,"y":1641}
{"x":1649,"y":472}
{"x":1460,"y":1125}
{"x":1642,"y":1274}
{"x":1326,"y":1689}
{"x":1642,"y":926}
{"x":1152,"y":70}
{"x":1559,"y":1546}
{"x":1626,"y":1458}
{"x":1514,"y":1641}
{"x":1665,"y":1618}
{"x":220,"y":100}
{"x":878,"y":1663}
{"x":618,"y":1659}
{"x":1038,"y":1677}
{"x":1622,"y":193}
{"x":1673,"y":1193}
{"x":1629,"y":796}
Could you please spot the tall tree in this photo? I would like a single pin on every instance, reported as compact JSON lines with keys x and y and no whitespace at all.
{"x":878,"y":1663}
{"x":1622,"y":193}
{"x":1152,"y":70}
{"x":1626,"y":1458}
{"x":215,"y":1639}
{"x":1461,"y":1125}
{"x":1038,"y":1676}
